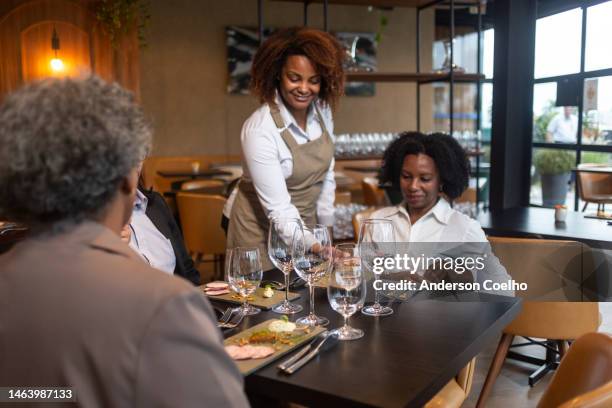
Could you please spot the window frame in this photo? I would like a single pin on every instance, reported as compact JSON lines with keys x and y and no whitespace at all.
{"x":582,"y":75}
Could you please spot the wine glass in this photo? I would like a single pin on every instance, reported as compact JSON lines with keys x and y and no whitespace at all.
{"x":312,"y":259}
{"x":280,"y":245}
{"x":245,"y":275}
{"x":376,"y":241}
{"x":347,"y":288}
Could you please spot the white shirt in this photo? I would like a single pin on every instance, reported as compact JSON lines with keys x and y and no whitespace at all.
{"x":268,"y":161}
{"x":147,"y":241}
{"x":444,"y":224}
{"x":563,"y":129}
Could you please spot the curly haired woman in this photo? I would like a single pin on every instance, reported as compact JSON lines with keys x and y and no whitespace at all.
{"x":431,"y":171}
{"x":287,"y":144}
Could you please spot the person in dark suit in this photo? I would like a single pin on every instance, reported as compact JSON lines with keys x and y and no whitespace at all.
{"x":78,"y":307}
{"x":154,"y":234}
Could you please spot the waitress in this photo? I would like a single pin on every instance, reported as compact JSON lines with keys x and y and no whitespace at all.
{"x":287,"y":146}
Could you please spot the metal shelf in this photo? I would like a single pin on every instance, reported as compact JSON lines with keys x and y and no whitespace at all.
{"x":421,"y":77}
{"x":381,"y":3}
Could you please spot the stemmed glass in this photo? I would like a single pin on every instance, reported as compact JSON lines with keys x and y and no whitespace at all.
{"x":312,"y":259}
{"x":376,"y":240}
{"x":280,"y":246}
{"x":245,"y":275}
{"x":347,"y":288}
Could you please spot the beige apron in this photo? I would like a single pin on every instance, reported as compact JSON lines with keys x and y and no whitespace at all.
{"x":248,"y":222}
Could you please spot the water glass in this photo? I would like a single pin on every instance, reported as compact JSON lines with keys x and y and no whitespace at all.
{"x":312,"y":260}
{"x":280,"y":246}
{"x":376,"y":241}
{"x":347,"y":288}
{"x":245,"y":275}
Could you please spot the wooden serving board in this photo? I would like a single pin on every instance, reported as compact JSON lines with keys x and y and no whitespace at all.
{"x":258,"y":299}
{"x":247,"y":367}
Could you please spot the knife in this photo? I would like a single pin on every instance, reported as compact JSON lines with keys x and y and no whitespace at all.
{"x":285,"y":364}
{"x":296,"y":366}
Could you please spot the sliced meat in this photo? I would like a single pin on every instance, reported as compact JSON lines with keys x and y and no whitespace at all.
{"x":262,"y":351}
{"x":237,"y":352}
{"x":217,"y":285}
{"x":217,"y":292}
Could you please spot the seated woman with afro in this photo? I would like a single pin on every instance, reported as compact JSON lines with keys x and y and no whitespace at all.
{"x":431,"y":171}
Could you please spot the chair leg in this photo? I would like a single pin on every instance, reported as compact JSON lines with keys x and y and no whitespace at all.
{"x":198,"y":260}
{"x":585,"y":206}
{"x":495,"y":368}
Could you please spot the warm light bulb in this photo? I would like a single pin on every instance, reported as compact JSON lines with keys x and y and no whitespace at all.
{"x":57,"y":65}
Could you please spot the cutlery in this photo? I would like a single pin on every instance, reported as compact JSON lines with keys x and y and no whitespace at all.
{"x":274,"y":284}
{"x":225,"y":317}
{"x":297,"y":283}
{"x":287,"y":363}
{"x":330,"y":341}
{"x":234,"y":321}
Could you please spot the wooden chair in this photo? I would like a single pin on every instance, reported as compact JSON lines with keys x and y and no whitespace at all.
{"x":202,"y":184}
{"x":343,"y":197}
{"x":456,"y":391}
{"x":584,"y":377}
{"x":373,"y":195}
{"x":594,"y":187}
{"x":359,"y":217}
{"x":558,"y":322}
{"x":200,"y":216}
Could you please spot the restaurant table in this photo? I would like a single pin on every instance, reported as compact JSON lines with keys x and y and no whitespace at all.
{"x":195,"y":175}
{"x":536,"y":222}
{"x":402,"y":361}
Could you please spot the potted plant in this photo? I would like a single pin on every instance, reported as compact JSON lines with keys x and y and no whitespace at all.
{"x":554,"y":167}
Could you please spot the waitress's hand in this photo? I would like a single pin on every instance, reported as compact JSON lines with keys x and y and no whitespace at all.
{"x":126,"y":233}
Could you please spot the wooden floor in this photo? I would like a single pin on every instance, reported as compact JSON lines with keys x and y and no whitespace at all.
{"x":511,"y":388}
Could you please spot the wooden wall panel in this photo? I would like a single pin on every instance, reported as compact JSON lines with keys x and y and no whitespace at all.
{"x":36,"y":51}
{"x":28,"y":21}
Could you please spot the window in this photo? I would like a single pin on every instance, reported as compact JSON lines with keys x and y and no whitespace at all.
{"x":598,"y":35}
{"x":558,"y":44}
{"x":565,"y":136}
{"x":597,"y":113}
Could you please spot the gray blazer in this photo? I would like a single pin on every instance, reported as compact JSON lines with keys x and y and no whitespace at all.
{"x":81,"y":309}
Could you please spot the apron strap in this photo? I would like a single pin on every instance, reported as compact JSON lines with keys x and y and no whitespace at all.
{"x":321,"y":123}
{"x":285,"y":134}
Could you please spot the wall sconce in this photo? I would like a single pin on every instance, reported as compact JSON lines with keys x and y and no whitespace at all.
{"x":57,"y":65}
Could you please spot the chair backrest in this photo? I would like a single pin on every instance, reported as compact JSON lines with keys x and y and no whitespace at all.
{"x":198,"y":184}
{"x":359,"y":217}
{"x":584,"y":377}
{"x":201,"y":222}
{"x":591,"y":184}
{"x":343,"y":197}
{"x":551,"y":269}
{"x":372,"y":194}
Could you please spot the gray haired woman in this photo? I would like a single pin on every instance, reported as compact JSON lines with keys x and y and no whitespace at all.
{"x":67,"y":148}
{"x":76,"y":302}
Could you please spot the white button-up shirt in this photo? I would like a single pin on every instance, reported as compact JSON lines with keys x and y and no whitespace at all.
{"x":147,"y":241}
{"x":444,"y":224}
{"x":268,"y":161}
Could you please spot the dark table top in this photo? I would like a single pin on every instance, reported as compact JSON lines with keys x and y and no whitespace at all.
{"x":194,"y":175}
{"x":535,"y":222}
{"x":403,"y":359}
